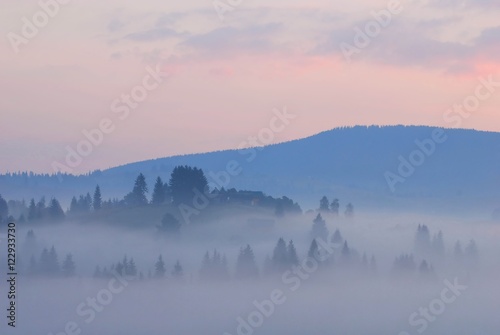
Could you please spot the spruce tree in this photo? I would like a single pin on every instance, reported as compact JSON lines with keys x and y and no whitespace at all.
{"x":55,"y":211}
{"x":53,"y":266}
{"x":88,"y":203}
{"x":324,"y":204}
{"x":131,"y":268}
{"x":335,"y":206}
{"x":280,"y":256}
{"x":68,"y":266}
{"x":178,"y":272}
{"x":73,"y":207}
{"x":349,"y":211}
{"x":160,"y":268}
{"x":97,"y":201}
{"x":32,"y":212}
{"x":159,"y":193}
{"x":293,"y":259}
{"x":4,"y":209}
{"x":44,"y":263}
{"x":182,"y":182}
{"x":40,"y":208}
{"x":319,"y":229}
{"x":313,"y":250}
{"x":246,"y":268}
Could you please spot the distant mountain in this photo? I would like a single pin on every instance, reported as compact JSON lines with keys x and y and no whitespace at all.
{"x":449,"y":170}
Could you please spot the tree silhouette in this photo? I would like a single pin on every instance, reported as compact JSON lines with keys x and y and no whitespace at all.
{"x":97,"y":201}
{"x":404,"y":264}
{"x":183,"y":181}
{"x":4,"y":209}
{"x":41,"y":208}
{"x":293,"y":259}
{"x":319,"y":229}
{"x":345,"y":253}
{"x":349,"y":211}
{"x":159,"y":193}
{"x":120,"y":268}
{"x":335,"y":206}
{"x":246,"y":268}
{"x":87,"y":203}
{"x":160,"y":268}
{"x":438,"y":244}
{"x":73,"y":207}
{"x":68,"y":266}
{"x":313,"y":250}
{"x":48,"y":264}
{"x":131,"y":269}
{"x":422,"y":240}
{"x":44,"y":263}
{"x":53,"y":262}
{"x":324,"y":204}
{"x":280,"y":256}
{"x":138,"y":195}
{"x":32,"y":211}
{"x":337,"y":237}
{"x":214,"y":267}
{"x":55,"y":211}
{"x":177,"y":272}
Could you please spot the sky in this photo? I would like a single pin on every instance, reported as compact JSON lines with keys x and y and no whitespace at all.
{"x":208,"y":75}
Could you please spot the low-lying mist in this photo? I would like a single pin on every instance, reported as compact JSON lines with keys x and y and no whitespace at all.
{"x":375,"y":273}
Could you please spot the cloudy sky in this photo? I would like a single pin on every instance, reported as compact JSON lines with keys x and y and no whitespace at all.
{"x":224,"y":71}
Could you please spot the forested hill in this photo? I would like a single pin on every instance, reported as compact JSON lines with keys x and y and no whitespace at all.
{"x":360,"y":164}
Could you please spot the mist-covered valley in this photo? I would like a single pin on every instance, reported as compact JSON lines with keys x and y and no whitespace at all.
{"x":231,"y":167}
{"x":247,"y":263}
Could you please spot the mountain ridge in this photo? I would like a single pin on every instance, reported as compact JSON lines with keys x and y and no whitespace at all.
{"x":345,"y":162}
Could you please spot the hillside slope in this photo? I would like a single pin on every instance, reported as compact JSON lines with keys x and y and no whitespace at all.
{"x":463,"y":167}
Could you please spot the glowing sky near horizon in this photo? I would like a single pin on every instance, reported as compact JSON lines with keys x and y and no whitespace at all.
{"x":223,"y":78}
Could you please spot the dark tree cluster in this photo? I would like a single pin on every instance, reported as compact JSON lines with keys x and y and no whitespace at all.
{"x":185,"y":184}
{"x":183,"y":181}
{"x":128,"y":268}
{"x":319,"y":229}
{"x":4,"y":210}
{"x":430,"y":251}
{"x":325,"y":206}
{"x":214,"y":267}
{"x":281,"y":206}
{"x":125,"y":267}
{"x":246,"y":267}
{"x":82,"y":205}
{"x":48,"y":264}
{"x":284,"y":258}
{"x":43,"y":211}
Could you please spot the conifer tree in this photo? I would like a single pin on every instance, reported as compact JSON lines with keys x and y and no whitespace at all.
{"x":160,"y":268}
{"x":97,"y":201}
{"x":159,"y":193}
{"x":177,"y":272}
{"x":68,"y":266}
{"x":293,"y":259}
{"x":246,"y":267}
